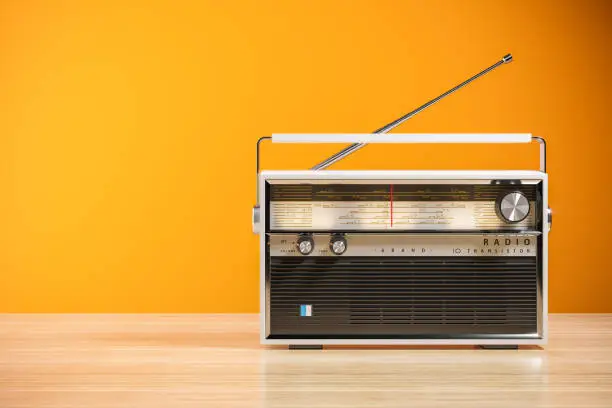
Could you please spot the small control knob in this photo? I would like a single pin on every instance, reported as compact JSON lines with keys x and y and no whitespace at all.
{"x":514,"y":207}
{"x":338,"y":245}
{"x":256,"y":219}
{"x":305,"y":245}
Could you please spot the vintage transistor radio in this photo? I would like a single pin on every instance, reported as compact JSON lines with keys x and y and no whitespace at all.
{"x":403,"y":257}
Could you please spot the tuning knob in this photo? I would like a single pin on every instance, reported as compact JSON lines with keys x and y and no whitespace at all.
{"x":338,"y":245}
{"x":514,"y":207}
{"x":305,"y":245}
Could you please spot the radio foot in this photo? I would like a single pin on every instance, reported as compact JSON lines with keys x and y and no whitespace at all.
{"x":305,"y":347}
{"x":498,"y":347}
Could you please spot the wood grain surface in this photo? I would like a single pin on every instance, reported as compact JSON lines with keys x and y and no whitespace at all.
{"x":216,"y":361}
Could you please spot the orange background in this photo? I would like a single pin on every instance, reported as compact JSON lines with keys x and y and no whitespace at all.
{"x":128,"y":132}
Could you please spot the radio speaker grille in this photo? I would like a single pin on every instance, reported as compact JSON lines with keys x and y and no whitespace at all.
{"x":402,"y":297}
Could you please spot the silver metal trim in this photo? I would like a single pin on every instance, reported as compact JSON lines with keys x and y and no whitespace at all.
{"x":261,"y":139}
{"x":542,"y":143}
{"x":408,"y":245}
{"x":256,"y":224}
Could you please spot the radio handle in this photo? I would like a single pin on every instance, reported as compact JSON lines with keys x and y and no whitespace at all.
{"x":405,"y":138}
{"x":356,"y":146}
{"x":402,"y":138}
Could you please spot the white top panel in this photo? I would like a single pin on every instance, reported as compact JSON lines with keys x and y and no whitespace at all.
{"x":403,"y":174}
{"x":402,"y":138}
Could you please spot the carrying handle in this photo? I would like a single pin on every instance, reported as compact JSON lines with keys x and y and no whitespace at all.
{"x":402,"y":138}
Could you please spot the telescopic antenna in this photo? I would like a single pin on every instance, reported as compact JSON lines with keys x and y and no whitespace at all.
{"x":356,"y":146}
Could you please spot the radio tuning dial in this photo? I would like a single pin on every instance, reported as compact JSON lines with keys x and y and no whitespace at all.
{"x":338,"y":245}
{"x":305,"y":245}
{"x":514,"y":207}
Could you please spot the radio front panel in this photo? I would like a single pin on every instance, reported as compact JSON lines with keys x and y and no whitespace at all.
{"x":408,"y":260}
{"x":405,"y":286}
{"x":408,"y":245}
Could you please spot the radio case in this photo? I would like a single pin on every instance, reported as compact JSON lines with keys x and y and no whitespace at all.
{"x":403,"y":257}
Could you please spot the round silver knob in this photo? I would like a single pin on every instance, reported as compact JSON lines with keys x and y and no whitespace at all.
{"x":305,"y":245}
{"x":338,"y":245}
{"x":514,"y":207}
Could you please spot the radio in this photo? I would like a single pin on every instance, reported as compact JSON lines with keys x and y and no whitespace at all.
{"x":403,"y":257}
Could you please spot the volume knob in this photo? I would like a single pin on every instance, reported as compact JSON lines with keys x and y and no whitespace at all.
{"x":514,"y":207}
{"x":338,"y":245}
{"x":305,"y":245}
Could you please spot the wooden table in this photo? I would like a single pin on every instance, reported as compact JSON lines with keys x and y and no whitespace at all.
{"x":200,"y":361}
